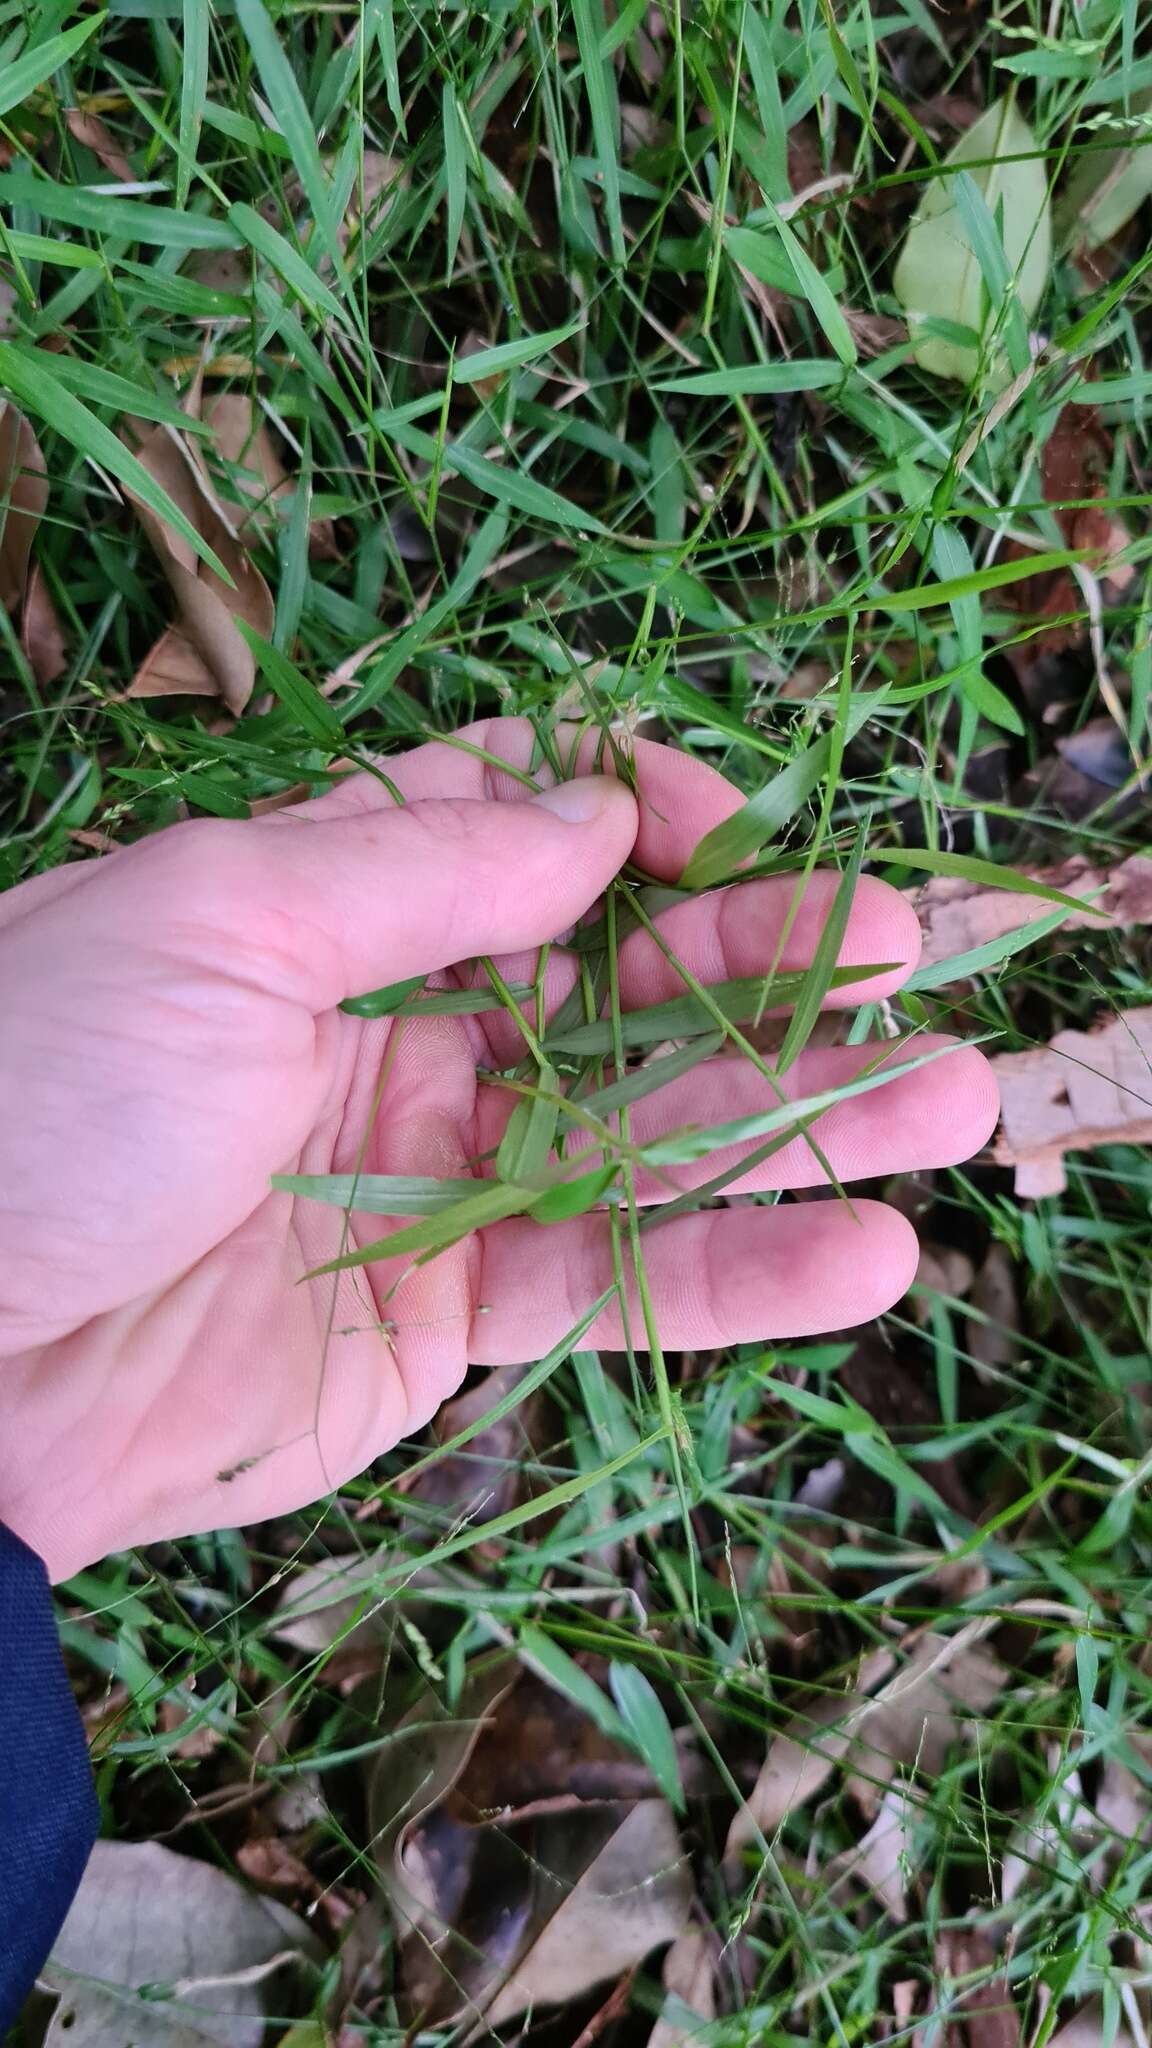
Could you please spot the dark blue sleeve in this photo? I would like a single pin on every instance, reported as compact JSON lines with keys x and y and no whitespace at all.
{"x":48,"y":1810}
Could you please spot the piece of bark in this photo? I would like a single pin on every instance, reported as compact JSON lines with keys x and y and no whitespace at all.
{"x":1087,"y":1088}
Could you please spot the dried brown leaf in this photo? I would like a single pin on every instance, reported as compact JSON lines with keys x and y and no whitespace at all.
{"x":995,"y":1342}
{"x":1086,"y":2029}
{"x":957,"y":915}
{"x":173,"y":668}
{"x":23,"y":498}
{"x":916,"y":1717}
{"x":630,"y":1898}
{"x":486,"y":1476}
{"x":41,"y":634}
{"x":880,"y":1860}
{"x":910,"y":1718}
{"x":147,"y":1916}
{"x":501,"y":1903}
{"x":690,"y":1977}
{"x":90,"y":130}
{"x":986,"y":2015}
{"x":208,"y":609}
{"x":804,"y":1755}
{"x":1086,"y":1088}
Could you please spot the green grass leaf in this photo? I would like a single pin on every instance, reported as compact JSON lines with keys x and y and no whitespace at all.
{"x":378,"y":1194}
{"x":130,"y":220}
{"x":294,"y":121}
{"x":684,"y":1015}
{"x":312,"y":712}
{"x":721,"y":851}
{"x":604,"y":108}
{"x":814,"y":289}
{"x":34,"y":67}
{"x":647,"y":1728}
{"x":455,"y":173}
{"x":286,"y":261}
{"x":508,"y":355}
{"x":31,"y":377}
{"x":987,"y":873}
{"x":799,"y":373}
{"x":193,"y":92}
{"x":818,"y":980}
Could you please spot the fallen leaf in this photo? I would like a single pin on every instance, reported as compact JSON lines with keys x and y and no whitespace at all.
{"x":597,"y":1921}
{"x":803,"y":1756}
{"x":689,"y":1978}
{"x":320,"y":1602}
{"x":1086,"y":1088}
{"x":938,"y":275}
{"x":173,"y":668}
{"x":243,"y":440}
{"x":486,"y":1476}
{"x":910,"y":1717}
{"x":504,"y":1901}
{"x":90,"y":130}
{"x":957,"y":916}
{"x":205,"y":654}
{"x":1075,"y":465}
{"x":1086,"y":2029}
{"x":41,"y":634}
{"x":212,"y":1955}
{"x":984,"y":2015}
{"x":1108,"y":185}
{"x":23,"y":498}
{"x":941,"y":1269}
{"x":881,"y":1859}
{"x":916,"y":1717}
{"x":993,"y":1339}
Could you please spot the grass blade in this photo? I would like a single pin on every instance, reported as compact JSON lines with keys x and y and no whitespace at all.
{"x":722,"y":850}
{"x":30,"y":375}
{"x":293,"y":119}
{"x":34,"y":67}
{"x":193,"y":92}
{"x":603,"y":106}
{"x":818,"y":980}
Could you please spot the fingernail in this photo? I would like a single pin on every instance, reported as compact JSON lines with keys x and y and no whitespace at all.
{"x":576,"y":802}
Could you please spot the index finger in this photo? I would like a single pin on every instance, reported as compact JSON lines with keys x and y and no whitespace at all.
{"x":679,"y":797}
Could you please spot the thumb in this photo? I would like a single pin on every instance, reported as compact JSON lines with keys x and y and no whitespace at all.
{"x":405,"y":891}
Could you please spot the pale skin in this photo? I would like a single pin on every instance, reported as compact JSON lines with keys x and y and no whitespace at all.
{"x":170,"y":1038}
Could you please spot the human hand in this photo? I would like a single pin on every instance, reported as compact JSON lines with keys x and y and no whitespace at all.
{"x":170,"y":1039}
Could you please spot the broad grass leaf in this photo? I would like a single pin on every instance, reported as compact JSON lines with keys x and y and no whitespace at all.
{"x":130,"y":220}
{"x":738,"y":838}
{"x":682,"y":1016}
{"x":647,"y":1727}
{"x":41,"y":634}
{"x":508,"y":355}
{"x":938,"y":274}
{"x":33,"y":67}
{"x":799,"y":373}
{"x":377,"y":1194}
{"x":312,"y":712}
{"x":934,"y":861}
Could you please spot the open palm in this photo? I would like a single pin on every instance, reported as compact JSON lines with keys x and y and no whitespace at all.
{"x":171,"y":1039}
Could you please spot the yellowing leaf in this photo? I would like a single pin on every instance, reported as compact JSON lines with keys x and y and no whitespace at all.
{"x":939,"y":274}
{"x":1107,"y":186}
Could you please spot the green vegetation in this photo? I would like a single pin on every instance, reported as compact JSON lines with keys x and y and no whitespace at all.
{"x":564,"y":375}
